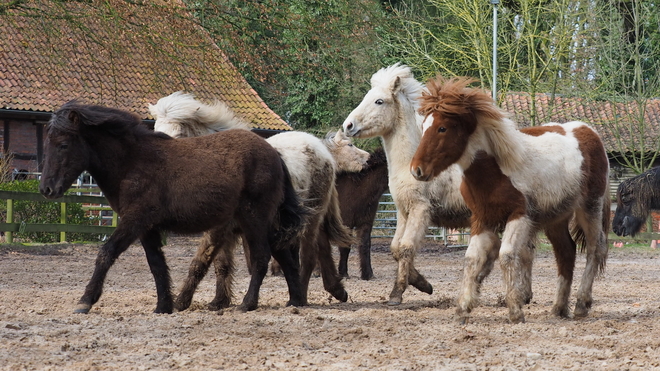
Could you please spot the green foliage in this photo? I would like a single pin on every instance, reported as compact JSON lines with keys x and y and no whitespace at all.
{"x":309,"y":60}
{"x":44,"y":212}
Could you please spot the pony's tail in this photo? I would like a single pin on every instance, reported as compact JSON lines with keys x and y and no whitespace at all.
{"x":337,"y":232}
{"x":606,"y":226}
{"x":581,"y":240}
{"x":291,"y":215}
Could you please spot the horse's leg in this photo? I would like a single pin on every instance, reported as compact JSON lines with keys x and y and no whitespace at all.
{"x":515,"y":261}
{"x":308,"y":253}
{"x":118,"y":242}
{"x":255,"y":232}
{"x":525,"y":275}
{"x":246,"y":253}
{"x":331,"y":279}
{"x":396,"y":296}
{"x":480,"y":258}
{"x":364,"y":237}
{"x":224,"y":270}
{"x":289,"y":265}
{"x":344,"y":252}
{"x":413,"y":229}
{"x":197,"y":270}
{"x":152,"y":243}
{"x":597,"y":248}
{"x":564,"y":248}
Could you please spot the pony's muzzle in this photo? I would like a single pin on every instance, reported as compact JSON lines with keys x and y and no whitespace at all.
{"x":350,"y":129}
{"x":418,"y":173}
{"x":50,"y":191}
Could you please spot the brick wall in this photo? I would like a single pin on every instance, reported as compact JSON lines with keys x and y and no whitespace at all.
{"x":22,"y":143}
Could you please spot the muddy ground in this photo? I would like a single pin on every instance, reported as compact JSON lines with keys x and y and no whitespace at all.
{"x":39,"y":287}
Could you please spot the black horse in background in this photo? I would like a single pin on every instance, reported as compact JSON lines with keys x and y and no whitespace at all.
{"x":359,"y":194}
{"x":635,"y":198}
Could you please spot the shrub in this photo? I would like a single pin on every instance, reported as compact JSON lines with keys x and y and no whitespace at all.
{"x":45,"y":212}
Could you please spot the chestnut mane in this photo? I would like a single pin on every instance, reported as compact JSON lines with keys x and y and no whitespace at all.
{"x":454,"y":97}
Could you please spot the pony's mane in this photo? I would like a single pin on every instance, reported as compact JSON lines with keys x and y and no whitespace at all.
{"x":645,"y":185}
{"x":454,"y":96}
{"x":386,"y":77}
{"x":112,"y":120}
{"x":183,"y":108}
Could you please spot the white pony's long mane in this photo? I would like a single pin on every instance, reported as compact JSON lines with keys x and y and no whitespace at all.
{"x":184,"y":109}
{"x":409,"y":87}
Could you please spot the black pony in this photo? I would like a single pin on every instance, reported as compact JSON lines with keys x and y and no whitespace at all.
{"x":228,"y":184}
{"x":635,"y":198}
{"x":359,"y":194}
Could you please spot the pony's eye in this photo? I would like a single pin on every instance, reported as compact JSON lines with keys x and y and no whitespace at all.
{"x":379,"y":101}
{"x":442,"y":129}
{"x":63,"y":146}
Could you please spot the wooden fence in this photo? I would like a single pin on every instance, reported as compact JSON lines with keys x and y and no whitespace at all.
{"x":384,"y":225}
{"x":9,"y":227}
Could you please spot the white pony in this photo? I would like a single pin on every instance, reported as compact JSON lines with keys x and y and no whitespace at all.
{"x":312,"y":164}
{"x":389,"y":110}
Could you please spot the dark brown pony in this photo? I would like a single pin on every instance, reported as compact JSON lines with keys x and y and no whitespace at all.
{"x":635,"y":198}
{"x":524,"y":181}
{"x":229,"y":183}
{"x":359,"y":194}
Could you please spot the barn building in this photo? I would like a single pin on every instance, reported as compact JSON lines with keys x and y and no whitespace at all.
{"x":114,"y":53}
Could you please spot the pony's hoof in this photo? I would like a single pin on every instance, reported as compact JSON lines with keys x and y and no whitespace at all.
{"x":217,"y":305}
{"x":82,"y":308}
{"x":394,"y":301}
{"x":246,"y":308}
{"x":163,"y":311}
{"x":424,"y":287}
{"x":342,"y":296}
{"x":421,"y":284}
{"x":517,"y":317}
{"x":367,"y":276}
{"x":561,"y":312}
{"x":296,"y":303}
{"x":462,"y":315}
{"x":580,"y":311}
{"x":462,"y":320}
{"x":181,"y":306}
{"x":396,"y":296}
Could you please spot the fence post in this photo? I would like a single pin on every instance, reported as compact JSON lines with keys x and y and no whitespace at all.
{"x":10,"y":219}
{"x":62,"y":220}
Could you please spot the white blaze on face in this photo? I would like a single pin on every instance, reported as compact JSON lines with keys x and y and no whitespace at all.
{"x":428,"y":121}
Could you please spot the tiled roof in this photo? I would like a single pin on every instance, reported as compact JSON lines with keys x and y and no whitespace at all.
{"x":118,"y":54}
{"x":602,"y":115}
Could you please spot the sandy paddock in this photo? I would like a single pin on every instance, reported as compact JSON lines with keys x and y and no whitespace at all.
{"x":40,"y":286}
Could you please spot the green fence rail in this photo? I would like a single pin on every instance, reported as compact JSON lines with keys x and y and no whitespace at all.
{"x":9,"y":227}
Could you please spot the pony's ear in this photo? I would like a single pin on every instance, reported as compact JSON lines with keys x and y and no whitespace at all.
{"x":330,"y":137}
{"x":74,"y":117}
{"x":396,"y":84}
{"x":339,"y":136}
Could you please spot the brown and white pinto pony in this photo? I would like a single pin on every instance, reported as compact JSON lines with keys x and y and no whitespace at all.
{"x":524,"y":181}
